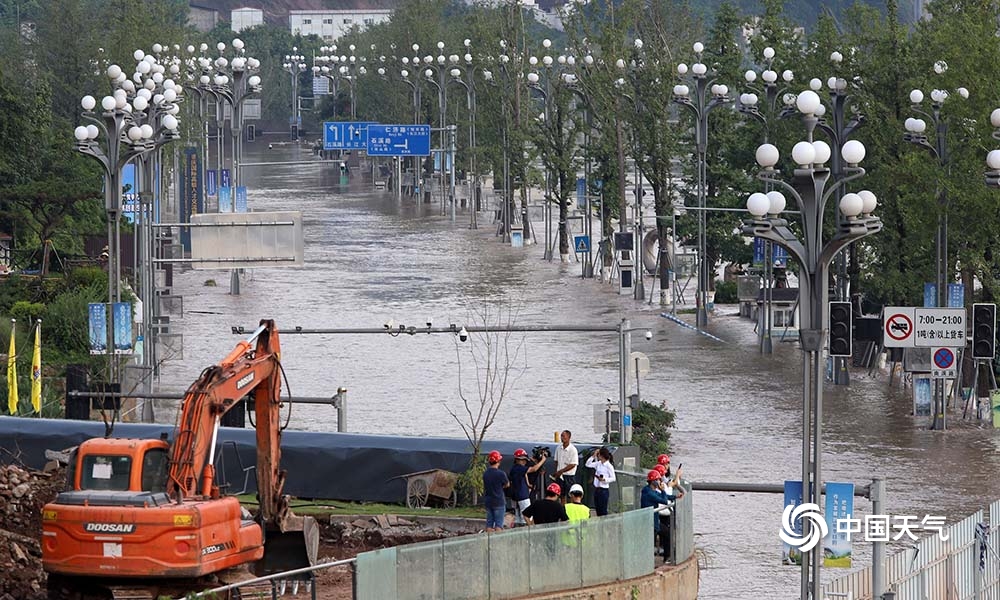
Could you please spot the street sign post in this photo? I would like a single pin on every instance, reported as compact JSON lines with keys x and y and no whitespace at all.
{"x":399,"y":140}
{"x":934,"y":327}
{"x":345,"y":135}
{"x":897,"y":327}
{"x":943,"y":363}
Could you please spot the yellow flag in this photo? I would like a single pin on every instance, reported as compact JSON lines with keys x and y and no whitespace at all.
{"x":12,"y":374}
{"x":36,"y":370}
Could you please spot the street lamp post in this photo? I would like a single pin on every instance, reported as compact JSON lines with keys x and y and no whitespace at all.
{"x":707,"y":96}
{"x":435,"y":73}
{"x":293,"y":65}
{"x":469,"y":83}
{"x":749,"y":104}
{"x":811,"y":188}
{"x":916,"y":134}
{"x":345,"y":68}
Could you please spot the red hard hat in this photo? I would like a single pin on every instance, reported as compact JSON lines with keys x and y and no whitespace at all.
{"x":554,"y":489}
{"x":663,"y":459}
{"x":493,"y":457}
{"x":520,"y":453}
{"x":660,"y":469}
{"x":652,"y":475}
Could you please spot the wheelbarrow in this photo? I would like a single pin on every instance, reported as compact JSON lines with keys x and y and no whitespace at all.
{"x":433,"y":483}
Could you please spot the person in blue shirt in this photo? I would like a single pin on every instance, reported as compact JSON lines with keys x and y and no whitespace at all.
{"x":654,"y":495}
{"x":520,"y":489}
{"x":494,"y":482}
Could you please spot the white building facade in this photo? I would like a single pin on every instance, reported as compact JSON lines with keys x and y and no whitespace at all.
{"x":332,"y":24}
{"x":245,"y":18}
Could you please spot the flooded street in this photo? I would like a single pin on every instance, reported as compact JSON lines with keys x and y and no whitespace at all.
{"x":370,"y":258}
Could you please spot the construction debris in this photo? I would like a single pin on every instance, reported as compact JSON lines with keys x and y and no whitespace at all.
{"x":23,"y":493}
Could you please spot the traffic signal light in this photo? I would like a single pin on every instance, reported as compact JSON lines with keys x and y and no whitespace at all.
{"x":841,"y":328}
{"x":984,"y":326}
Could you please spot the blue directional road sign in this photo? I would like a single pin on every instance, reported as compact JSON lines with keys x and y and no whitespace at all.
{"x":581,"y":243}
{"x":399,"y":140}
{"x":345,"y":135}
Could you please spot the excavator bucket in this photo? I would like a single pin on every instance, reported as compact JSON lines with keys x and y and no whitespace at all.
{"x":294,"y":548}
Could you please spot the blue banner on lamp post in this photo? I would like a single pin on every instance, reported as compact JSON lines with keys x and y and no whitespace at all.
{"x":930,"y":295}
{"x":839,"y":505}
{"x":793,"y":497}
{"x":956,"y":295}
{"x":97,"y":326}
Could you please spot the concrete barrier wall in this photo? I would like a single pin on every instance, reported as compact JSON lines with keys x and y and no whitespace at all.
{"x":666,"y":583}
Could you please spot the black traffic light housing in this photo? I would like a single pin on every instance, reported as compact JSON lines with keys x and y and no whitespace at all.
{"x":984,"y":326}
{"x":841,"y":329}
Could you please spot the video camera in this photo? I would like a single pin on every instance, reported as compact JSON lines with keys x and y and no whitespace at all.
{"x":539,"y":451}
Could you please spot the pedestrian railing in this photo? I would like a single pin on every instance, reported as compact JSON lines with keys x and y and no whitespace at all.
{"x":517,"y":562}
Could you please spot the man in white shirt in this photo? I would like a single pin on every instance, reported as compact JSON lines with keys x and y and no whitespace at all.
{"x":567,"y":459}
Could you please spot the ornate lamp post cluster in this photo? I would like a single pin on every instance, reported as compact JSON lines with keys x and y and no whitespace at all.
{"x":133,"y":122}
{"x":294,"y":66}
{"x":229,"y":83}
{"x":341,"y":68}
{"x":701,"y":98}
{"x":751,"y":104}
{"x":811,"y":188}
{"x":916,"y":133}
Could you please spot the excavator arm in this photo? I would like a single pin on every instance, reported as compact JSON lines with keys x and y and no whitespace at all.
{"x":253,"y":367}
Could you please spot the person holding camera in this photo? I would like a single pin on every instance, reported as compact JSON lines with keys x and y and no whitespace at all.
{"x":520,"y":487}
{"x":567,"y":459}
{"x":604,"y":476}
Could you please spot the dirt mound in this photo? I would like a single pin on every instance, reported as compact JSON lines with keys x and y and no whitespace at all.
{"x":23,"y":493}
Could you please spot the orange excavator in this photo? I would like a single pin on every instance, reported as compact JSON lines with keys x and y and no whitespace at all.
{"x":145,"y":512}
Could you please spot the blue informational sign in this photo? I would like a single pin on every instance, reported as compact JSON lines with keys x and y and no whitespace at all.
{"x":399,"y":140}
{"x":581,"y":192}
{"x":345,"y":135}
{"x":192,"y":201}
{"x":793,"y":497}
{"x":241,"y":198}
{"x":121,"y":313}
{"x":97,"y":325}
{"x":211,"y":182}
{"x":225,"y":199}
{"x":930,"y":295}
{"x":839,"y":507}
{"x":956,"y":295}
{"x":130,"y":192}
{"x":627,"y":420}
{"x":224,"y":179}
{"x":581,"y":243}
{"x":779,"y":256}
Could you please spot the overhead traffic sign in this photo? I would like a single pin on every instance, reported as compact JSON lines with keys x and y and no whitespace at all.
{"x":345,"y":135}
{"x":897,"y":327}
{"x":581,"y":243}
{"x":934,"y":327}
{"x":943,"y":363}
{"x":399,"y":140}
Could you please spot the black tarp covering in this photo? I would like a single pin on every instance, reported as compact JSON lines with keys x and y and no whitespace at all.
{"x":336,"y":466}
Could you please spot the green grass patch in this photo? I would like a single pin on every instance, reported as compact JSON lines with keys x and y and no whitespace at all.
{"x":338,"y":507}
